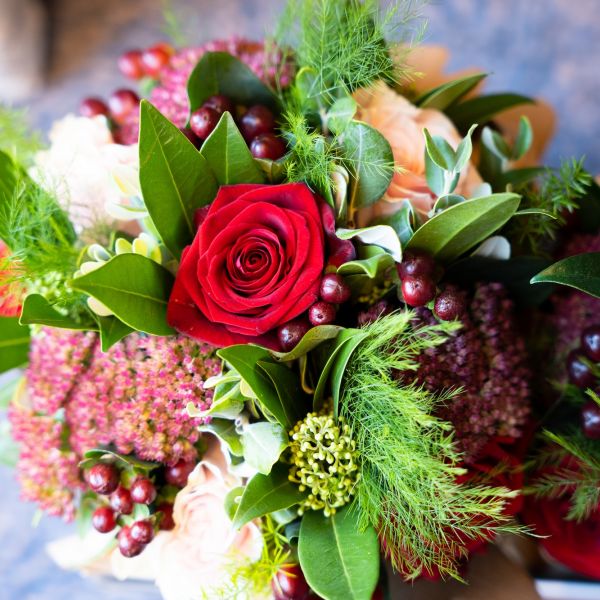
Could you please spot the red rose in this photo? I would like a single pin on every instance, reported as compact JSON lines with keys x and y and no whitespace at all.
{"x":256,"y":262}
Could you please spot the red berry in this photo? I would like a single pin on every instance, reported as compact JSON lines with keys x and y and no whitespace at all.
{"x":590,"y":342}
{"x":256,"y":120}
{"x":121,"y":501}
{"x":416,"y":264}
{"x":290,"y":584}
{"x":91,"y":107}
{"x":377,"y":594}
{"x":127,"y":545}
{"x":143,"y":491}
{"x":450,"y":304}
{"x":220,"y":103}
{"x":177,"y":474}
{"x":190,"y":135}
{"x":130,"y":64}
{"x":418,"y":291}
{"x":103,"y":478}
{"x":321,"y":313}
{"x":590,"y":420}
{"x":268,"y":145}
{"x":334,"y":289}
{"x":142,"y":532}
{"x":154,"y":60}
{"x":579,"y":372}
{"x":203,"y":121}
{"x":166,"y":522}
{"x":121,"y":103}
{"x":291,"y":333}
{"x":104,"y":519}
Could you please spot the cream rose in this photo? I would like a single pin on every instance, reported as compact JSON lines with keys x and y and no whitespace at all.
{"x":402,"y":124}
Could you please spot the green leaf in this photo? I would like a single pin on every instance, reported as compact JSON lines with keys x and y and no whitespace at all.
{"x":340,"y":363}
{"x":496,"y":143}
{"x":434,"y":175}
{"x":483,"y":108}
{"x":459,"y":228}
{"x":226,"y":431}
{"x":340,"y":114}
{"x":524,"y":139}
{"x":447,"y":94}
{"x":134,"y":288}
{"x":310,"y":340}
{"x":535,"y":211}
{"x":581,"y":272}
{"x":464,"y":150}
{"x":273,"y":170}
{"x":440,"y":151}
{"x":112,"y":330}
{"x":444,"y":202}
{"x":369,"y":158}
{"x":232,"y":501}
{"x":265,"y":494}
{"x":127,"y":461}
{"x":175,"y":178}
{"x":37,"y":310}
{"x":228,"y":156}
{"x":339,"y":561}
{"x":518,"y":177}
{"x":401,"y":221}
{"x":263,"y":444}
{"x":222,"y":73}
{"x":372,"y":261}
{"x":14,"y":343}
{"x":383,"y":236}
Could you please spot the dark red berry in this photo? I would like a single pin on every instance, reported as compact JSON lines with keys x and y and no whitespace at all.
{"x":450,"y":304}
{"x":190,"y":135}
{"x":590,"y":420}
{"x":220,"y":103}
{"x":122,"y":103}
{"x":334,"y":289}
{"x":203,"y":121}
{"x":579,"y":372}
{"x":416,"y":264}
{"x":268,"y":145}
{"x":91,"y":107}
{"x":590,"y":342}
{"x":103,"y":478}
{"x":377,"y":594}
{"x":418,"y":291}
{"x":130,"y":64}
{"x":127,"y":545}
{"x":321,"y":313}
{"x":143,"y":491}
{"x":291,"y":333}
{"x":155,"y":59}
{"x":290,"y":584}
{"x":177,"y":474}
{"x":121,"y":501}
{"x":166,"y":520}
{"x":104,"y":519}
{"x":142,"y":532}
{"x":256,"y":120}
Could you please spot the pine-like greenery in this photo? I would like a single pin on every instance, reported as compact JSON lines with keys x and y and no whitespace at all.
{"x":409,"y":463}
{"x":16,"y":137}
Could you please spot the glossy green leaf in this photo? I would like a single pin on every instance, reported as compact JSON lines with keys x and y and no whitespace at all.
{"x":228,"y":156}
{"x":174,"y":177}
{"x":37,"y":310}
{"x":339,"y":561}
{"x":581,"y":272}
{"x":369,"y":157}
{"x":134,"y":288}
{"x":112,"y":330}
{"x":263,"y":444}
{"x":14,"y":343}
{"x":222,"y":73}
{"x":226,"y":431}
{"x":312,"y":338}
{"x":265,"y":494}
{"x":447,"y":94}
{"x":459,"y":228}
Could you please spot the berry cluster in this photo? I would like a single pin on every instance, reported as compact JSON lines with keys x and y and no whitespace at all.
{"x":136,"y":64}
{"x":419,"y":275}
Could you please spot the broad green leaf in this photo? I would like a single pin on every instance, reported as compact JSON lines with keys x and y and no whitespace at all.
{"x":174,"y":177}
{"x":14,"y":343}
{"x":37,"y":310}
{"x":311,"y":339}
{"x":134,"y":288}
{"x":447,"y":94}
{"x":228,"y":156}
{"x":459,"y":228}
{"x":440,"y":151}
{"x":222,"y":73}
{"x":226,"y":431}
{"x":581,"y":272}
{"x":383,"y":236}
{"x":524,"y":139}
{"x":263,"y":444}
{"x":265,"y":494}
{"x":369,"y":158}
{"x":112,"y":330}
{"x":340,"y":114}
{"x":447,"y":201}
{"x":339,"y":561}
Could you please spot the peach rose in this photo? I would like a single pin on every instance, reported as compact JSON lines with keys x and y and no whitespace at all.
{"x":402,"y":124}
{"x":203,"y":550}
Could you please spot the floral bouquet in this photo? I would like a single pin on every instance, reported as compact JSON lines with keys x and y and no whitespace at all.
{"x":278,"y":317}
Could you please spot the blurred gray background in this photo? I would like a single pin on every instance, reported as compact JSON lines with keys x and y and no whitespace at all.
{"x":53,"y":53}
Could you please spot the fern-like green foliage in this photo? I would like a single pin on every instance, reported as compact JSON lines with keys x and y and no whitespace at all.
{"x":16,"y":137}
{"x":409,"y":463}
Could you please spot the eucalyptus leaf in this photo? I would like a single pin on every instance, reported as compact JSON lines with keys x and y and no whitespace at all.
{"x":227,"y":432}
{"x":135,"y":288}
{"x":440,"y":151}
{"x":581,"y":272}
{"x":14,"y":343}
{"x":263,"y":444}
{"x":112,"y":330}
{"x":435,"y":176}
{"x":447,"y":94}
{"x":37,"y":310}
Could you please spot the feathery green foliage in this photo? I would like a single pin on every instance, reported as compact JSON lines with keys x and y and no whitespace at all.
{"x":16,"y":137}
{"x":409,"y":464}
{"x":172,"y":25}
